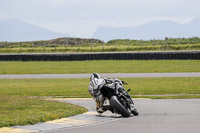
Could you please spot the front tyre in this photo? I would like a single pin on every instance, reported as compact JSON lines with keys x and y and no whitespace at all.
{"x":119,"y":107}
{"x":135,"y":112}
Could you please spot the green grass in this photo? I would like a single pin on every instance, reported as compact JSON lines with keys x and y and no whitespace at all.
{"x":78,"y":87}
{"x":106,"y":48}
{"x":106,"y":66}
{"x":118,"y":45}
{"x":18,"y":110}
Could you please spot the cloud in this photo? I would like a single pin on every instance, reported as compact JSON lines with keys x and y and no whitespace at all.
{"x":89,"y":14}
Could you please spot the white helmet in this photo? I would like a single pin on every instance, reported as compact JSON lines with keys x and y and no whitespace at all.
{"x":95,"y":75}
{"x":96,"y":83}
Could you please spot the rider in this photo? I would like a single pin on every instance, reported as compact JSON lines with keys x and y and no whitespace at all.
{"x":96,"y":83}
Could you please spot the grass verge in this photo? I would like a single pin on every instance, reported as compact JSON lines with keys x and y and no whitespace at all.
{"x":78,"y":87}
{"x":108,"y":66}
{"x":107,"y":47}
{"x":18,"y":110}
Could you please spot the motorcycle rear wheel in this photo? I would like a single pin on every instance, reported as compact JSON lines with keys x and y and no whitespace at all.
{"x":119,"y":107}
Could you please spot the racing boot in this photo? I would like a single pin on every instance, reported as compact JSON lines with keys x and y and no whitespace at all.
{"x":108,"y":107}
{"x":100,"y":110}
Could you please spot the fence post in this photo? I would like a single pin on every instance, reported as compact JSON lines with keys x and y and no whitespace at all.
{"x":166,"y":41}
{"x":6,"y":44}
{"x":193,"y":41}
{"x":66,"y":46}
{"x":9,"y":44}
{"x":32,"y":46}
{"x":43,"y":46}
{"x":154,"y":42}
{"x":128,"y":43}
{"x":20,"y":46}
{"x":91,"y":44}
{"x":55,"y":46}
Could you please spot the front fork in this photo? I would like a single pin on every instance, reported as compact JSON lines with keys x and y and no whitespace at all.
{"x":127,"y":98}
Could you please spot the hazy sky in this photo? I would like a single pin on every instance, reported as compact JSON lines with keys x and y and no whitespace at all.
{"x":81,"y":17}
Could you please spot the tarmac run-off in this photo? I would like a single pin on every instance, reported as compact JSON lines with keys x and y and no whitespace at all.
{"x":159,"y":115}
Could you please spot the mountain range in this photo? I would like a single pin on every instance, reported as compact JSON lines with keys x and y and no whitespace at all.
{"x":151,"y":30}
{"x":17,"y":30}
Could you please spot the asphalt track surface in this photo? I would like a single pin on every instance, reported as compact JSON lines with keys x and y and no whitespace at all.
{"x":108,"y":75}
{"x":156,"y":116}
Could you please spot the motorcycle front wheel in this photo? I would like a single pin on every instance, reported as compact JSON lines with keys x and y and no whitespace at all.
{"x":119,"y":107}
{"x":135,"y":112}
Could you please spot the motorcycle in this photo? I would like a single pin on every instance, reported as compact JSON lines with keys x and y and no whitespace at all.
{"x":119,"y":99}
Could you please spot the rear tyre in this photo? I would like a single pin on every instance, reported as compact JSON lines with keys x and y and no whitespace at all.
{"x":119,"y":107}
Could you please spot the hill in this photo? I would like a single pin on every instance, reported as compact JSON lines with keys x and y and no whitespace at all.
{"x":151,"y":30}
{"x":17,"y":30}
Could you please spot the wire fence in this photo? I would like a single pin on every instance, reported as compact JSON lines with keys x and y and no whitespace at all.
{"x":112,"y":45}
